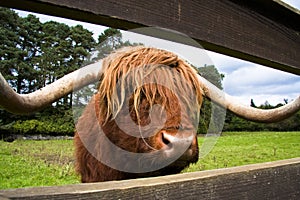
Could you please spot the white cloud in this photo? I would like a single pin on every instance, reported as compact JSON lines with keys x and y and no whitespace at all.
{"x":258,"y":76}
{"x":226,"y":64}
{"x":261,"y":84}
{"x":293,"y":3}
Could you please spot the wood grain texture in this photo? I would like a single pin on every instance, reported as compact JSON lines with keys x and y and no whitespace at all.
{"x":274,"y":180}
{"x":265,"y":32}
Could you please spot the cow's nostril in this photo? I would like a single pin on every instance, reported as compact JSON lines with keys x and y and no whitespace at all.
{"x":165,"y":139}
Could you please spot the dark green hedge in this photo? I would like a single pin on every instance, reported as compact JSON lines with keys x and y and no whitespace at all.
{"x":52,"y":121}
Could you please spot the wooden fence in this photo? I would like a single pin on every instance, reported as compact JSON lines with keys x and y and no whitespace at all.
{"x":274,"y":180}
{"x":262,"y":31}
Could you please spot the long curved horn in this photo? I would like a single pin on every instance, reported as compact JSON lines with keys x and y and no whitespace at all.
{"x":28,"y":103}
{"x":248,"y":112}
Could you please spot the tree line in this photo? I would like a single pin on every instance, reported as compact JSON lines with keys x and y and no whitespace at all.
{"x":34,"y":54}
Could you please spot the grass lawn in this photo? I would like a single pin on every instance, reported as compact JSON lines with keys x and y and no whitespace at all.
{"x":242,"y":148}
{"x":26,"y":163}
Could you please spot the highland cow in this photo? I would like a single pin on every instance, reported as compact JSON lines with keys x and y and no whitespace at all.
{"x":168,"y":88}
{"x":142,"y":121}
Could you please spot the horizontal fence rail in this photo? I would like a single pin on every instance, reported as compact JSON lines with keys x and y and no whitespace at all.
{"x":265,"y":32}
{"x":272,"y":180}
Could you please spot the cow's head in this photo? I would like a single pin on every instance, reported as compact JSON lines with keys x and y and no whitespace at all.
{"x":147,"y":109}
{"x":154,"y":97}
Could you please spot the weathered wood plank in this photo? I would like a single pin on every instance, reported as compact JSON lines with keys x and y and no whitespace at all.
{"x":273,"y":180}
{"x":261,"y":31}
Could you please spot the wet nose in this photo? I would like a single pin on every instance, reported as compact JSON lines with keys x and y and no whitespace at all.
{"x":175,"y":144}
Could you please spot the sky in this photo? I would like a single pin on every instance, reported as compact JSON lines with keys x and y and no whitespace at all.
{"x":243,"y":80}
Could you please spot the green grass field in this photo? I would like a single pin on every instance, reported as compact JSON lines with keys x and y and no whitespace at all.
{"x":26,"y":163}
{"x":242,"y":148}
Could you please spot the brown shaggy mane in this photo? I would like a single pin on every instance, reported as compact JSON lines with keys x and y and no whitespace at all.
{"x":135,"y":65}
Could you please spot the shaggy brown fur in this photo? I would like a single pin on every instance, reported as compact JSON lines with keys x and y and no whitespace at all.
{"x":105,"y":116}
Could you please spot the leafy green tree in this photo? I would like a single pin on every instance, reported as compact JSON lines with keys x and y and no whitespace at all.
{"x":9,"y":40}
{"x":29,"y":35}
{"x":108,"y":41}
{"x":211,"y":73}
{"x":9,"y":51}
{"x":210,"y":116}
{"x":34,"y":54}
{"x":19,"y":49}
{"x":54,"y":51}
{"x":64,"y":50}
